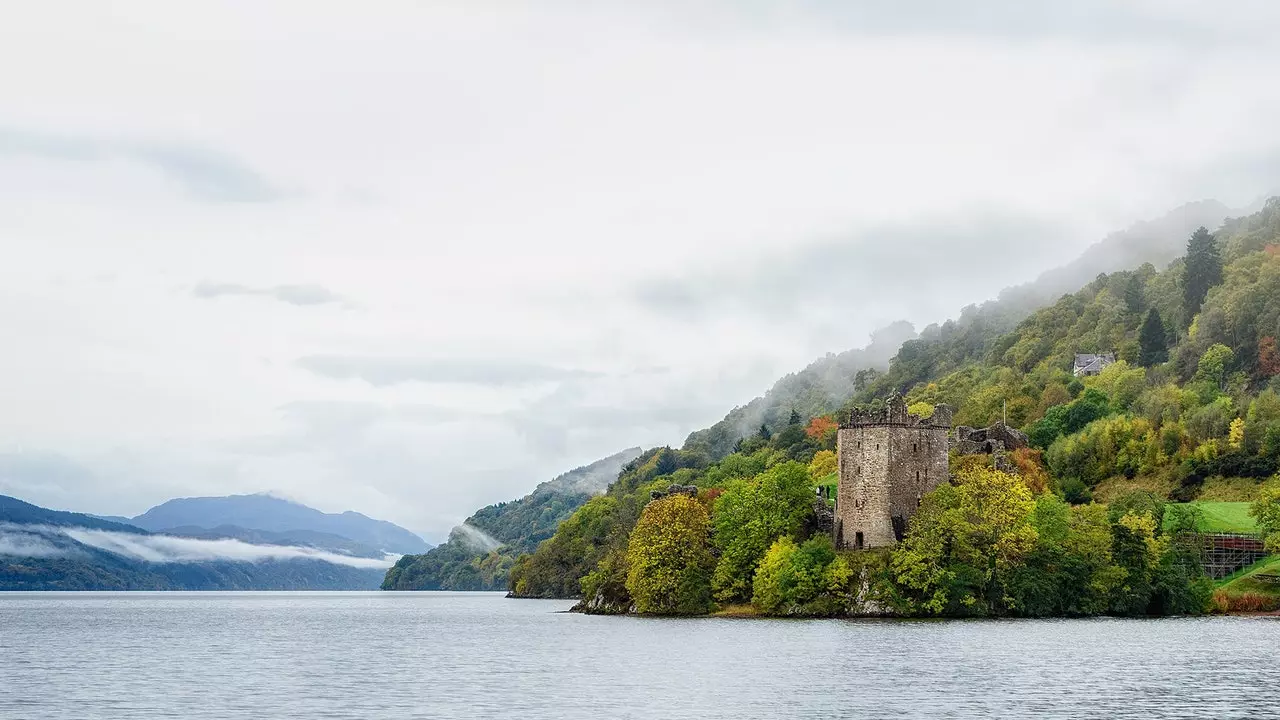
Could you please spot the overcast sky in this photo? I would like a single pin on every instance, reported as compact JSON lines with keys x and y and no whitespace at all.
{"x":411,"y":258}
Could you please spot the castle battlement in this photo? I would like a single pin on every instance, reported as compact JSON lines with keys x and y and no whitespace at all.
{"x":894,"y":414}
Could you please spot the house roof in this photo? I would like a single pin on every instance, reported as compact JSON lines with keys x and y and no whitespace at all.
{"x":1092,"y":361}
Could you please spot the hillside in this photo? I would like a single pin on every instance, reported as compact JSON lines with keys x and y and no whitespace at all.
{"x":1192,"y":398}
{"x":480,"y":552}
{"x":272,"y":514}
{"x":42,"y":549}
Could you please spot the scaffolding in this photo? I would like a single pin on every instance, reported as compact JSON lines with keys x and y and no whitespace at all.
{"x":1221,"y":554}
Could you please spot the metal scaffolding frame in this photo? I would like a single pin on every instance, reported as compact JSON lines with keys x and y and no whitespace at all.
{"x":1221,"y":554}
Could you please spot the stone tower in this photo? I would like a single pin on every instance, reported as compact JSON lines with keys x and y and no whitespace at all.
{"x":888,"y":461}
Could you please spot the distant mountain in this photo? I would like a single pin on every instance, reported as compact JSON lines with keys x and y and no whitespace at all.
{"x":273,"y":514}
{"x":42,"y":549}
{"x":13,"y":510}
{"x":480,"y":552}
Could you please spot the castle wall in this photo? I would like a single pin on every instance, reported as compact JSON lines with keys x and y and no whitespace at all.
{"x":885,"y":470}
{"x":863,"y":493}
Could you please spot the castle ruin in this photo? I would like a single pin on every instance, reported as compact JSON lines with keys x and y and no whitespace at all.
{"x":888,"y":460}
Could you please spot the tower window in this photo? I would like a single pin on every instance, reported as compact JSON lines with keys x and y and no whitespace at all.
{"x":917,"y":476}
{"x":915,"y":447}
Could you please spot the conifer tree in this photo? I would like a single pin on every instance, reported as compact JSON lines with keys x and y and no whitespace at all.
{"x":1133,"y":293}
{"x":1203,"y":271}
{"x":1153,"y":345}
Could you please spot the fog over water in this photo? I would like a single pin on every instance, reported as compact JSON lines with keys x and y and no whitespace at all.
{"x":246,"y":656}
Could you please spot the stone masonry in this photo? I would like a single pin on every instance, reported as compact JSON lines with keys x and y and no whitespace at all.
{"x":888,"y":460}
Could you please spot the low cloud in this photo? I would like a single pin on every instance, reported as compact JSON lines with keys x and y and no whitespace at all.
{"x":203,"y":173}
{"x":47,"y":541}
{"x":301,"y":295}
{"x":385,"y":371}
{"x":16,"y":542}
{"x":474,"y":538}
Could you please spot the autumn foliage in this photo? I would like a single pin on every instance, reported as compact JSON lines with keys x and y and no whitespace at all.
{"x":1268,"y":356}
{"x":820,"y":426}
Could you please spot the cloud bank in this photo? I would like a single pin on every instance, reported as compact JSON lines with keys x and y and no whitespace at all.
{"x":41,"y":541}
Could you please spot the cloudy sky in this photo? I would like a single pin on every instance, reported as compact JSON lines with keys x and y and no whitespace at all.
{"x":415,"y":257}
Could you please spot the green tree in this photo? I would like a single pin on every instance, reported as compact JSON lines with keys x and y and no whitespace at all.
{"x":1153,"y":345}
{"x":965,"y":545}
{"x":667,"y":462}
{"x":1133,"y":293}
{"x":749,"y":516}
{"x":808,"y":579}
{"x":1266,"y":512}
{"x":1202,"y":270}
{"x":669,"y":558}
{"x":1214,"y":364}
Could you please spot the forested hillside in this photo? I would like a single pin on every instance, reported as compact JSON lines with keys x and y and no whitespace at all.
{"x":479,"y":553}
{"x":1190,"y":410}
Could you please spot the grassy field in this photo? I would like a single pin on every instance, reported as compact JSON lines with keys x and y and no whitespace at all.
{"x":830,"y":482}
{"x":1223,"y":517}
{"x":1248,"y":592}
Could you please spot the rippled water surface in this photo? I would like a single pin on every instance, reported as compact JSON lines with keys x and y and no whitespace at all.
{"x":444,"y":655}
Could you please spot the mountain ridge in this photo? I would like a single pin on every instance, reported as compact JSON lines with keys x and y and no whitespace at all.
{"x":269,"y":513}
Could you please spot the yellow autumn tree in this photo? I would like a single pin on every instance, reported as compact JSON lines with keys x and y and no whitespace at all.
{"x":669,"y":558}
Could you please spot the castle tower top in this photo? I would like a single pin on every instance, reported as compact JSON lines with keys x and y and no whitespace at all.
{"x":894,"y":414}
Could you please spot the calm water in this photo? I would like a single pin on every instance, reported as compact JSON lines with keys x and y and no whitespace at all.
{"x":445,"y":655}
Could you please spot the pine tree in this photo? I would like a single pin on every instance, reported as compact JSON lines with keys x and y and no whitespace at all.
{"x":764,"y":433}
{"x":795,"y":418}
{"x":1203,"y":271}
{"x":1153,"y":345}
{"x":666,"y":462}
{"x":1133,"y":293}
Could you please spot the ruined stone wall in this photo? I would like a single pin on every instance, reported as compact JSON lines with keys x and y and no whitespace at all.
{"x":917,"y":464}
{"x":863,"y":492}
{"x":887,"y":463}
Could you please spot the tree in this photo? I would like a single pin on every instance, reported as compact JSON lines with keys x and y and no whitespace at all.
{"x":669,"y":558}
{"x":1153,"y":345}
{"x":764,"y":433}
{"x":1266,"y":512}
{"x":1268,"y":357}
{"x":819,"y":427}
{"x":749,"y":516}
{"x":1133,"y":293}
{"x":666,"y":462}
{"x":823,"y":464}
{"x":1203,"y":270}
{"x":808,"y":579}
{"x":1214,"y":364}
{"x":965,"y":544}
{"x":794,"y":418}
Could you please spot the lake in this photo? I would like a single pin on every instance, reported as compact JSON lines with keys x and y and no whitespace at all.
{"x":94,"y":656}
